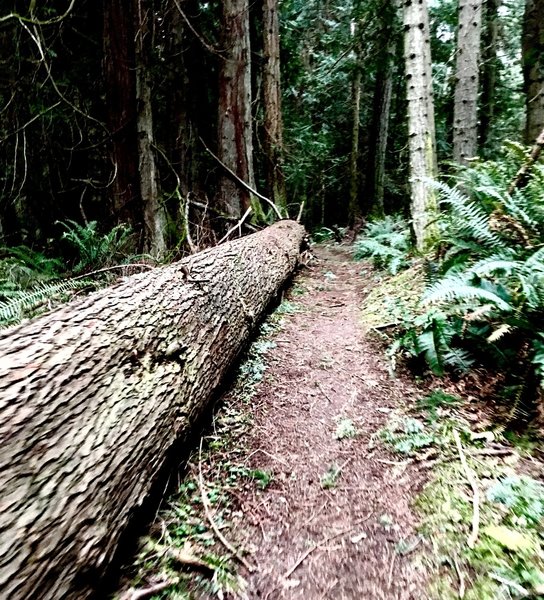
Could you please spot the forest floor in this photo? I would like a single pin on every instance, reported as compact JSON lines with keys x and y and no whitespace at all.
{"x":298,"y":470}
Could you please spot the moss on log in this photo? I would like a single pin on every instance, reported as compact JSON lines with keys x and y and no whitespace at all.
{"x":93,"y":395}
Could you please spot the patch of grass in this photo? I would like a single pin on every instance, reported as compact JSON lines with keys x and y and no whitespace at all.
{"x":345,"y":429}
{"x":262,"y":478}
{"x":287,"y":308}
{"x":329,"y":479}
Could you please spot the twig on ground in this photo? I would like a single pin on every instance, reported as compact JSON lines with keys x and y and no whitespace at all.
{"x":272,"y":456}
{"x":238,"y":226}
{"x":323,"y":391}
{"x":329,"y":589}
{"x":471,"y":541}
{"x":461,"y":575}
{"x":209,"y":516}
{"x":148,"y":591}
{"x":323,"y":542}
{"x":391,"y":566}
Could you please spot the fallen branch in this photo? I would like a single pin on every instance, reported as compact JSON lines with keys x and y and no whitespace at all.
{"x":521,"y":176}
{"x":242,"y":182}
{"x":238,"y":226}
{"x":209,"y":516}
{"x":471,"y":541}
{"x":323,"y":542}
{"x":148,"y":591}
{"x":105,"y":269}
{"x":299,"y":216}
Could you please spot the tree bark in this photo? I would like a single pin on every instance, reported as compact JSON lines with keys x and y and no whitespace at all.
{"x":120,"y":79}
{"x":92,"y":397}
{"x":465,"y":107}
{"x":235,"y":143}
{"x":489,"y":69}
{"x":273,"y":121}
{"x":533,"y":67}
{"x":153,"y":212}
{"x":421,"y":131}
{"x":354,"y":212}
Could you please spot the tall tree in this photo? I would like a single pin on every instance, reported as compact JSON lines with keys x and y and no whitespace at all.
{"x":381,"y":106}
{"x":533,"y":67}
{"x":120,"y":79}
{"x":273,"y":120}
{"x":235,"y":143}
{"x":153,"y":213}
{"x":489,"y":68}
{"x":465,"y":109}
{"x":354,"y":210}
{"x":421,"y":132}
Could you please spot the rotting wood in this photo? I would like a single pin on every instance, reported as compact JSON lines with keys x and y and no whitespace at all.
{"x":95,"y":394}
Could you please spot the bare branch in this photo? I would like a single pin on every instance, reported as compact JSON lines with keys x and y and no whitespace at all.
{"x":36,"y":21}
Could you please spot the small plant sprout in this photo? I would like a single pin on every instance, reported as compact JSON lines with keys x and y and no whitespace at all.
{"x":345,"y":429}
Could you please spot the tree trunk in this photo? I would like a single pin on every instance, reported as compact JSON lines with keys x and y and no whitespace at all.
{"x":154,"y":214}
{"x":235,"y":144}
{"x":489,"y":69}
{"x":421,"y":132}
{"x":273,"y":121}
{"x":354,"y":212}
{"x":120,"y":79}
{"x":465,"y":108}
{"x":533,"y":67}
{"x":379,"y":127}
{"x":93,"y":395}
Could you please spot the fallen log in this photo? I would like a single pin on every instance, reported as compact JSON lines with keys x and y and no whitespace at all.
{"x":93,"y":395}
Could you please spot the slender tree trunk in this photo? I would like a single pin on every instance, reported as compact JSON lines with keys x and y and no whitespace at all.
{"x":489,"y":69}
{"x":354,"y":201}
{"x":381,"y":107}
{"x":533,"y":67}
{"x":273,"y":120}
{"x":94,"y":395}
{"x":120,"y":79}
{"x":154,"y":214}
{"x":421,"y":131}
{"x":235,"y":143}
{"x":465,"y":109}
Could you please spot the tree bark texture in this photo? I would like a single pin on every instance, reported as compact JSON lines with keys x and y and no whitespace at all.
{"x":120,"y":79}
{"x":235,"y":144}
{"x":93,"y":395}
{"x":533,"y":67}
{"x":273,"y":121}
{"x":489,"y":69}
{"x":153,"y":212}
{"x":421,"y":130}
{"x":465,"y":107}
{"x":354,"y":212}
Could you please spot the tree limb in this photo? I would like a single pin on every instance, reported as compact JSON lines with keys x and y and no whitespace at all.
{"x":242,"y":182}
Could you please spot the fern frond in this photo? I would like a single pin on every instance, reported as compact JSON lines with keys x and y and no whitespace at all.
{"x":456,"y":289}
{"x":24,"y":303}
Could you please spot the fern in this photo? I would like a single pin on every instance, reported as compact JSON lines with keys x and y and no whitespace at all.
{"x":95,"y":249}
{"x":26,"y":303}
{"x":387,"y":242}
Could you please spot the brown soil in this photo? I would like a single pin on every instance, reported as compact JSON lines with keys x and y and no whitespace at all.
{"x":353,"y":538}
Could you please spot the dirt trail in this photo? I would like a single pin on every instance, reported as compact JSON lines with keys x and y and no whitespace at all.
{"x":348,"y":497}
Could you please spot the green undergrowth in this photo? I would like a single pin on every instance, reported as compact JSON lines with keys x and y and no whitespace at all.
{"x":182,"y":549}
{"x":507,"y":559}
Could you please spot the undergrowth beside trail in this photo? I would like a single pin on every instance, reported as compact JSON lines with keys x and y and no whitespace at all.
{"x":482,"y":512}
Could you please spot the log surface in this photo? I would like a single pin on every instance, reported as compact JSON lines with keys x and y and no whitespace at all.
{"x":93,"y":395}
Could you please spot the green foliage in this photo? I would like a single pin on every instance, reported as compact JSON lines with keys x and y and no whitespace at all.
{"x":407,"y":435}
{"x":484,"y":300}
{"x":95,"y":249}
{"x":329,"y":479}
{"x":387,"y":242}
{"x":345,"y":429}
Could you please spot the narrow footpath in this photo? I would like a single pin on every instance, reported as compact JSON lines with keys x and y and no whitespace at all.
{"x":336,"y":520}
